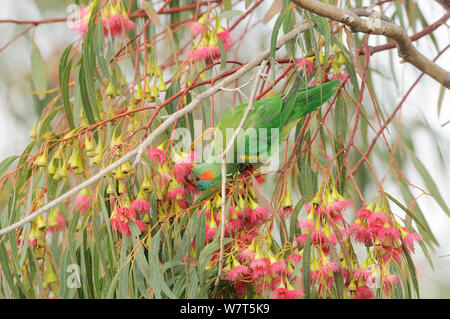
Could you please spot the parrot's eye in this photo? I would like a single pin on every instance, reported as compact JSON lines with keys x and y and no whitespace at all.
{"x":197,"y":178}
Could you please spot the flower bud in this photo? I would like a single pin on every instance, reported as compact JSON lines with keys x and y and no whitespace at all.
{"x":61,"y":172}
{"x":51,"y":168}
{"x":33,"y":132}
{"x":126,"y":168}
{"x":146,"y":185}
{"x":88,"y":144}
{"x":41,"y":160}
{"x":162,"y":86}
{"x":40,"y":223}
{"x":110,"y":90}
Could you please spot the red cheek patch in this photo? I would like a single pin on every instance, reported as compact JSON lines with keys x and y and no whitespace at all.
{"x":208,"y":175}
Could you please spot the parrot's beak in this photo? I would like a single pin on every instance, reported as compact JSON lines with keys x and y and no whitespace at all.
{"x":191,"y":180}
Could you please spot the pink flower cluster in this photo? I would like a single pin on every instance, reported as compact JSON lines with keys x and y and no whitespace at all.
{"x":305,"y":65}
{"x":121,"y":218}
{"x":114,"y":19}
{"x":208,"y":45}
{"x":268,"y":274}
{"x":378,"y":229}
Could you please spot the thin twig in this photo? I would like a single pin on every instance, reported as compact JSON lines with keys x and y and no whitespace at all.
{"x":224,"y":168}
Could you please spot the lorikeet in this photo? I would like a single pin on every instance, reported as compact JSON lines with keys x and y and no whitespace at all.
{"x":280,"y":112}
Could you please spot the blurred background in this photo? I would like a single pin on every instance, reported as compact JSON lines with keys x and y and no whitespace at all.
{"x":428,"y":126}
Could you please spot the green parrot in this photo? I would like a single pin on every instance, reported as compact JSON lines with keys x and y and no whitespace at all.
{"x":277,"y":115}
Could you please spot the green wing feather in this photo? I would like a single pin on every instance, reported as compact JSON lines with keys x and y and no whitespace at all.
{"x":276,"y":112}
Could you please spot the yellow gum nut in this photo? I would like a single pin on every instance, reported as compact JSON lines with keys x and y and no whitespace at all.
{"x":109,"y":189}
{"x":41,"y":160}
{"x":33,"y":132}
{"x":88,"y":144}
{"x":121,"y":187}
{"x":51,"y":168}
{"x":146,"y":186}
{"x":162,"y":86}
{"x":50,"y":277}
{"x":97,"y":159}
{"x":59,"y":154}
{"x":126,"y":168}
{"x":241,"y":203}
{"x":218,"y":201}
{"x":40,"y":223}
{"x":61,"y":172}
{"x":342,"y":59}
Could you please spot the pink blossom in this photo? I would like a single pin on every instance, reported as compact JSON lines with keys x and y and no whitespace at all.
{"x":120,"y":219}
{"x":156,"y":155}
{"x":329,"y":268}
{"x":378,"y":218}
{"x":284,"y":293}
{"x":240,"y":288}
{"x":182,"y":203}
{"x":210,"y":233}
{"x":238,"y":272}
{"x":286,"y":211}
{"x":234,"y":225}
{"x":225,"y":36}
{"x":388,"y":282}
{"x":246,"y":255}
{"x":141,"y":206}
{"x":363,"y":213}
{"x":82,"y":203}
{"x":361,"y":234}
{"x":362,"y":274}
{"x":392,"y":253}
{"x":295,"y":258}
{"x":389,"y":233}
{"x":306,"y":224}
{"x":260,"y":179}
{"x":259,"y":267}
{"x":258,"y":214}
{"x":181,"y":171}
{"x":305,"y":65}
{"x":174,"y":193}
{"x":61,"y":224}
{"x":118,"y":24}
{"x":277,"y":267}
{"x":343,"y":77}
{"x":81,"y":24}
{"x":196,"y":28}
{"x":338,"y":206}
{"x":410,"y":239}
{"x":364,"y":292}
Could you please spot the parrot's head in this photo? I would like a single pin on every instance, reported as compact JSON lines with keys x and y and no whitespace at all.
{"x":205,"y":174}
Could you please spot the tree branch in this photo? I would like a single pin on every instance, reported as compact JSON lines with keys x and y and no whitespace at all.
{"x":374,"y":25}
{"x":224,"y":168}
{"x":160,"y":129}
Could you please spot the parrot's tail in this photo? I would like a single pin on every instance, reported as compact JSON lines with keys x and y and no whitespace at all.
{"x":309,"y":100}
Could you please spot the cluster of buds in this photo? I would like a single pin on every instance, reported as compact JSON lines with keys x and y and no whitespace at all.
{"x":150,"y":92}
{"x":54,"y":222}
{"x":114,"y":18}
{"x":59,"y":163}
{"x":207,"y":46}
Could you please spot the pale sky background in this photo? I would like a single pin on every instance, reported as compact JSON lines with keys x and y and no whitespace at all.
{"x":422,"y":103}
